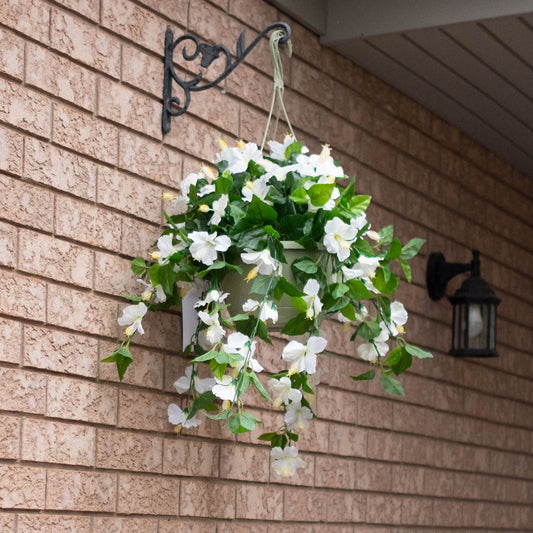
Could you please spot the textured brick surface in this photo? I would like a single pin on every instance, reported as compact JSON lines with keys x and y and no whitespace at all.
{"x":84,"y":165}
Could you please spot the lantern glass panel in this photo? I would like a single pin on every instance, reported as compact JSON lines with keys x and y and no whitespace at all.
{"x":475,"y":333}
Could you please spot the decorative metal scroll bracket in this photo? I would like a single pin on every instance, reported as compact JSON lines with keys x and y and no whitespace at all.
{"x":172,"y":105}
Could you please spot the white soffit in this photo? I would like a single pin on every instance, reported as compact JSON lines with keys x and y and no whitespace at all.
{"x":468,"y":61}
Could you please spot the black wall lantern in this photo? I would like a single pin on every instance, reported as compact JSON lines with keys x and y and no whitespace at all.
{"x":474,"y":306}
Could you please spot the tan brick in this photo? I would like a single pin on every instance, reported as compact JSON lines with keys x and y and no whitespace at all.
{"x":113,"y":275}
{"x":315,"y":437}
{"x":220,"y":109}
{"x":407,"y":479}
{"x":372,"y":476}
{"x":333,"y":472}
{"x":173,"y":9}
{"x":87,"y":8}
{"x":30,"y":17}
{"x":374,"y":412}
{"x":305,"y":505}
{"x":340,"y":506}
{"x":60,"y":352}
{"x":259,"y":18}
{"x":9,"y":437}
{"x":11,"y":144}
{"x":252,"y":124}
{"x":81,"y":311}
{"x":236,"y":461}
{"x":7,"y":522}
{"x":438,"y":483}
{"x":410,"y":419}
{"x":142,"y":70}
{"x":60,"y":77}
{"x":25,"y":108}
{"x":138,"y":237}
{"x":148,"y":495}
{"x":10,"y":340}
{"x":85,"y":134}
{"x":382,"y":509}
{"x":121,"y":104}
{"x":26,"y":296}
{"x":128,"y":451}
{"x":347,"y":440}
{"x":81,"y":491}
{"x":22,"y":487}
{"x":149,"y":159}
{"x":337,"y":405}
{"x":259,"y":502}
{"x":418,"y":450}
{"x":448,"y":513}
{"x":205,"y":498}
{"x":134,"y":23}
{"x":54,"y":442}
{"x":59,"y":169}
{"x":124,"y":524}
{"x":88,"y":223}
{"x":417,"y":511}
{"x":129,"y":194}
{"x":12,"y":60}
{"x":146,"y":370}
{"x":378,"y":155}
{"x":385,"y":446}
{"x":312,"y":83}
{"x":8,"y":245}
{"x":180,"y":525}
{"x":30,"y":523}
{"x":59,"y":260}
{"x":26,"y":204}
{"x":256,"y":89}
{"x":144,"y":410}
{"x":74,"y":399}
{"x":183,"y":457}
{"x":85,"y":42}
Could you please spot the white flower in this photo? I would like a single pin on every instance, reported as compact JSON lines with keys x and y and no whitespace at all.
{"x":242,"y":345}
{"x":167,"y":248}
{"x":303,"y":357}
{"x":191,"y":179}
{"x":319,"y":165}
{"x":215,"y":331}
{"x":132,"y":316}
{"x":277,"y":150}
{"x":369,"y":351}
{"x":148,"y":293}
{"x":339,"y":237}
{"x":268,"y":312}
{"x":264,"y":263}
{"x":219,"y":209}
{"x":297,"y":416}
{"x":224,"y":388}
{"x":364,"y":268}
{"x":205,"y":246}
{"x":183,"y":384}
{"x":282,"y":391}
{"x":286,"y":460}
{"x":239,"y":157}
{"x":212,"y":296}
{"x":314,"y":305}
{"x":258,"y":187}
{"x":177,"y":417}
{"x":276,"y":171}
{"x":398,"y":316}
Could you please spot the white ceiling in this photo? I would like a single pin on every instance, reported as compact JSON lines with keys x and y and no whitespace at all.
{"x":469,"y":61}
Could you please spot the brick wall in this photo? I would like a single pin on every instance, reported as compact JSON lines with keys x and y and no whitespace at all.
{"x":82,"y":168}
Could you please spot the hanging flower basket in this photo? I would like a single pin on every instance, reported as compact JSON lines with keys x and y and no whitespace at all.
{"x":226,"y":238}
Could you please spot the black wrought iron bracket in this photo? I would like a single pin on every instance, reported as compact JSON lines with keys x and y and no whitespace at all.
{"x":172,"y":105}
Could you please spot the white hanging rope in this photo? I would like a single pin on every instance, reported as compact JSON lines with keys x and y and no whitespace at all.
{"x":279,"y":87}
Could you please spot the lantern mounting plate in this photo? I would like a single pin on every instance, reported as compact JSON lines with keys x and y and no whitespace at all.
{"x":439,"y":272}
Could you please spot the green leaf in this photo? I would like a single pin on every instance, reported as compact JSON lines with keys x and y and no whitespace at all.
{"x":358,"y":290}
{"x":223,"y":183}
{"x":222,"y":357}
{"x":122,"y":357}
{"x":260,"y":284}
{"x":358,"y":204}
{"x":299,"y":196}
{"x":298,"y":304}
{"x":385,"y":286}
{"x":289,"y":288}
{"x":259,"y":386}
{"x":269,"y":230}
{"x":418,"y":352}
{"x":205,"y":357}
{"x":217,"y":265}
{"x":242,"y":422}
{"x":297,"y":325}
{"x":217,"y":368}
{"x":293,"y":148}
{"x":320,"y":193}
{"x":369,"y":330}
{"x":267,"y":436}
{"x":349,"y":312}
{"x":395,"y":250}
{"x":391,"y":385}
{"x":139,"y":266}
{"x":399,"y":360}
{"x":385,"y":235}
{"x":406,"y":269}
{"x":364,"y":377}
{"x":202,"y":401}
{"x":412,"y":248}
{"x":305,"y":265}
{"x":260,"y":213}
{"x":338,"y":290}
